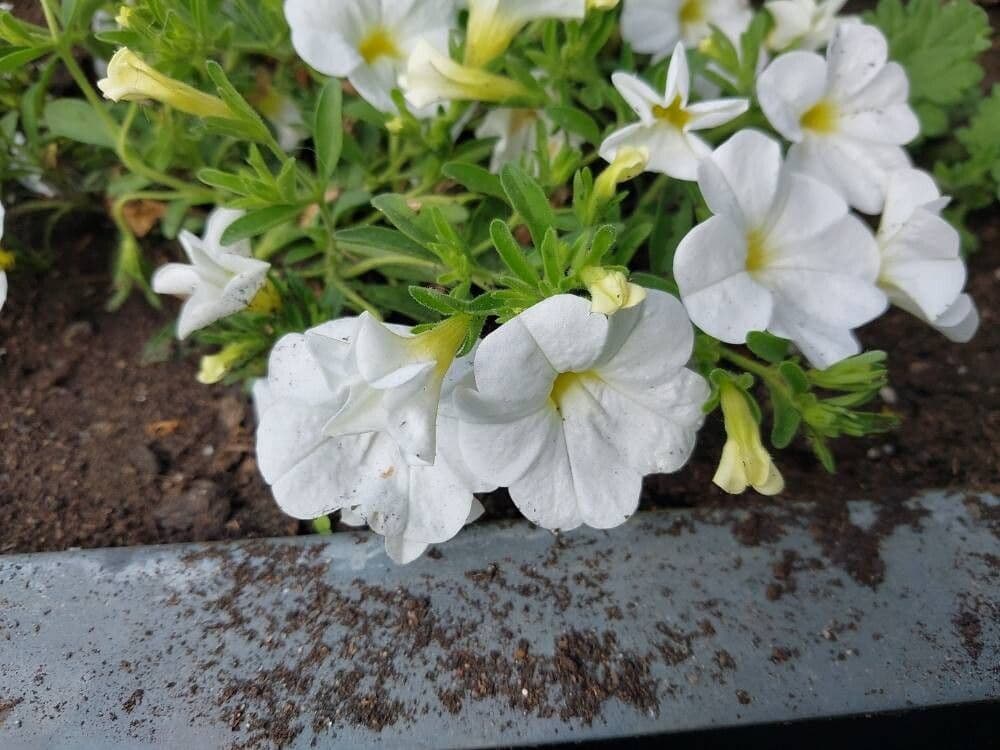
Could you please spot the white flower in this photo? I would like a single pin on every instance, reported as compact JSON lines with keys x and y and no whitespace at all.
{"x":781,"y":254}
{"x":367,"y":41}
{"x":665,"y":122}
{"x":802,"y":24}
{"x":431,"y":77}
{"x":493,"y":24}
{"x":3,"y":274}
{"x":393,"y":381}
{"x":220,"y":280}
{"x":312,"y":474}
{"x":516,"y":131}
{"x":847,"y":115}
{"x":572,"y":408}
{"x":654,"y":27}
{"x":922,"y":268}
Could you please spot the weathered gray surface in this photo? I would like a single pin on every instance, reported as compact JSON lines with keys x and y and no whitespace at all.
{"x":80,"y":633}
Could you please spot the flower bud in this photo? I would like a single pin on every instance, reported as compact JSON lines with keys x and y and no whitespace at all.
{"x":130,"y":79}
{"x":432,"y":77}
{"x":744,"y":462}
{"x":629,"y":162}
{"x":611,"y":291}
{"x":214,"y":367}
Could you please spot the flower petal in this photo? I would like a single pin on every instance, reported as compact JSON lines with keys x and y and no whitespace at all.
{"x":788,"y":87}
{"x":740,"y":179}
{"x":176,"y":278}
{"x":856,"y":55}
{"x":678,"y":77}
{"x":960,"y":321}
{"x":651,"y":26}
{"x":638,"y":94}
{"x":569,"y":335}
{"x":713,"y":113}
{"x":319,"y":35}
{"x":906,"y":190}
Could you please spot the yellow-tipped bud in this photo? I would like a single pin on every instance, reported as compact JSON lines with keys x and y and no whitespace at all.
{"x":432,"y":77}
{"x":628,"y":163}
{"x":611,"y":291}
{"x":130,"y":79}
{"x":395,"y":125}
{"x":215,"y":367}
{"x":122,"y":18}
{"x":745,"y":462}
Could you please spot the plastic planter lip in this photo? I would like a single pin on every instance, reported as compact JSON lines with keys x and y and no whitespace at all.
{"x":509,"y":636}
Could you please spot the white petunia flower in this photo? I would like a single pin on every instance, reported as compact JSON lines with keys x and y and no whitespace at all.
{"x":220,"y":280}
{"x":781,"y":254}
{"x":572,"y":408}
{"x":802,"y":24}
{"x":365,"y":476}
{"x":654,"y":27}
{"x":367,"y":41}
{"x":666,"y":122}
{"x":847,"y":115}
{"x":393,"y":381}
{"x":493,"y":24}
{"x":922,"y":268}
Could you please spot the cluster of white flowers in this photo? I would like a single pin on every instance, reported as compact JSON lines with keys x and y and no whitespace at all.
{"x":573,"y":401}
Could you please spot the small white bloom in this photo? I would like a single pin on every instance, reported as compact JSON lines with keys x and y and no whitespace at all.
{"x":516,"y":131}
{"x":393,"y":381}
{"x":922,"y":267}
{"x":847,"y":115}
{"x":781,"y":254}
{"x":572,"y":408}
{"x":367,"y":41}
{"x":666,"y":122}
{"x":654,"y":27}
{"x":220,"y":280}
{"x":493,"y":24}
{"x":802,"y":24}
{"x":431,"y":77}
{"x":364,"y":476}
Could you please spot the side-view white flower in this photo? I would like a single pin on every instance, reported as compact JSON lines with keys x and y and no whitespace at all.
{"x":802,"y":24}
{"x":393,"y":381}
{"x":367,"y":41}
{"x":654,"y":27}
{"x":493,"y":24}
{"x":432,"y":77}
{"x":781,"y":254}
{"x":572,"y":408}
{"x":312,"y":474}
{"x":666,"y":122}
{"x":847,"y":115}
{"x":219,"y":281}
{"x":922,"y":268}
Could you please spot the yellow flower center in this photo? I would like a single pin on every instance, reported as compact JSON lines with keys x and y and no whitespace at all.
{"x":821,"y":117}
{"x":757,"y":253}
{"x":692,"y":11}
{"x":7,"y":260}
{"x":564,"y":382}
{"x":379,"y":43}
{"x":674,"y":113}
{"x":442,"y":342}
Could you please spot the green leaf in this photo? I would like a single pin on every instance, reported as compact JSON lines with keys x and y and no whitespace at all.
{"x":328,"y":128}
{"x":258,"y":222}
{"x":786,"y":418}
{"x":794,"y":376}
{"x":434,"y":300}
{"x":511,"y":252}
{"x":529,"y":200}
{"x":768,"y":347}
{"x":474,"y":178}
{"x":381,"y":238}
{"x":937,"y":43}
{"x":398,"y":212}
{"x":17,"y":57}
{"x":574,"y":120}
{"x":75,"y":119}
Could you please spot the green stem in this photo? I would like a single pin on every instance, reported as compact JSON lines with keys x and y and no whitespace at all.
{"x":762,"y":371}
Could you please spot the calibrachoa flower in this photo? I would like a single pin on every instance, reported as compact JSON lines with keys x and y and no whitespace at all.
{"x":847,"y":115}
{"x":654,"y":27}
{"x":572,"y":408}
{"x":781,"y":254}
{"x":745,"y":462}
{"x":220,"y":280}
{"x":666,"y":122}
{"x":312,"y":474}
{"x":393,"y":381}
{"x":493,"y":24}
{"x":431,"y":77}
{"x":922,"y":269}
{"x":802,"y":24}
{"x":367,"y":41}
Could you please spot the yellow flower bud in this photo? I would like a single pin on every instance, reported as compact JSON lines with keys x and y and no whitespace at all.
{"x":628,"y":163}
{"x":214,"y":367}
{"x":611,"y":291}
{"x":744,"y":462}
{"x":122,"y":18}
{"x":130,"y":79}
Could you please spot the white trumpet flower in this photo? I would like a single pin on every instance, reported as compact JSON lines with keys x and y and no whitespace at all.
{"x":847,"y":115}
{"x":431,"y":77}
{"x":367,"y":41}
{"x":219,"y":281}
{"x":493,"y":24}
{"x":922,"y":269}
{"x":572,"y":408}
{"x":666,"y":122}
{"x":781,"y":254}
